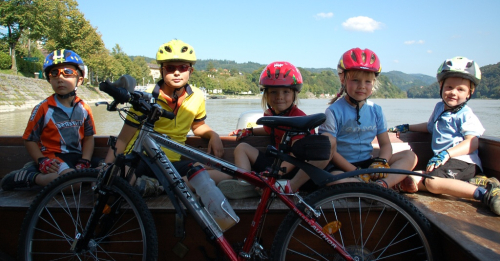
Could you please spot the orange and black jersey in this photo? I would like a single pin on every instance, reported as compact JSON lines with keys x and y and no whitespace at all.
{"x":57,"y":132}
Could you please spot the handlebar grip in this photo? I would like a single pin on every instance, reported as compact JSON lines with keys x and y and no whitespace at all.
{"x":120,"y":89}
{"x":167,"y":114}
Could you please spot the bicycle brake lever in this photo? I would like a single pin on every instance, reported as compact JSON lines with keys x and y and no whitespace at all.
{"x":100,"y":103}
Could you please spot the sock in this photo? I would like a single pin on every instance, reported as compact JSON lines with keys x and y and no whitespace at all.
{"x":32,"y":178}
{"x":479,"y":193}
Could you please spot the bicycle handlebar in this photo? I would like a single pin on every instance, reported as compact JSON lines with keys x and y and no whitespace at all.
{"x":123,"y":91}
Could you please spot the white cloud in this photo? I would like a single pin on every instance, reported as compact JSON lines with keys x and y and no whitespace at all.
{"x":396,"y":61}
{"x":414,"y":42}
{"x":429,"y":51}
{"x":361,"y":23}
{"x":323,"y":15}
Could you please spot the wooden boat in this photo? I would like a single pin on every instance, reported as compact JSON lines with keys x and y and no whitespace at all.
{"x":466,"y":228}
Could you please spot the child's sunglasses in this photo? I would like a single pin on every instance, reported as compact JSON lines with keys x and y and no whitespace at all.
{"x":66,"y":72}
{"x":172,"y":68}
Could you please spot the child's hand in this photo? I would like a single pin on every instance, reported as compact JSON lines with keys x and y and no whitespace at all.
{"x":46,"y":165}
{"x":242,"y":133}
{"x":438,"y":160}
{"x":400,"y":128}
{"x":82,"y":164}
{"x":379,"y":163}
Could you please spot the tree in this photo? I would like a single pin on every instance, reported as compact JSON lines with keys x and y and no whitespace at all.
{"x":23,"y":17}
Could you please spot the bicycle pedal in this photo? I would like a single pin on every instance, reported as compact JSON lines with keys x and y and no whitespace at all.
{"x":180,"y":249}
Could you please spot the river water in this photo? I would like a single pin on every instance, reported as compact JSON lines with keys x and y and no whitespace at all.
{"x":223,"y":114}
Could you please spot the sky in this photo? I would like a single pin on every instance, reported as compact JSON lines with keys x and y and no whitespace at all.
{"x":408,"y":36}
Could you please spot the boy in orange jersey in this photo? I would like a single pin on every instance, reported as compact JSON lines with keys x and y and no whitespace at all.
{"x":59,"y":136}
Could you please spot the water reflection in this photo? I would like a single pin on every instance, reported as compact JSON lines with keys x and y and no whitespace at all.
{"x":222,"y":115}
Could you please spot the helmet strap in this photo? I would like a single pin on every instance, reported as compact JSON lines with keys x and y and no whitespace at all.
{"x":68,"y":95}
{"x":351,"y":99}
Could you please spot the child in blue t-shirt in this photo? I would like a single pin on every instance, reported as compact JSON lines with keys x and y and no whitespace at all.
{"x":455,"y":133}
{"x":353,"y":122}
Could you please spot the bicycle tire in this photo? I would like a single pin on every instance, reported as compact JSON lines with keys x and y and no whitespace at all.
{"x":55,"y":217}
{"x":376,"y":223}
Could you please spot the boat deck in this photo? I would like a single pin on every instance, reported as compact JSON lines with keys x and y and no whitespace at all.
{"x":467,"y":229}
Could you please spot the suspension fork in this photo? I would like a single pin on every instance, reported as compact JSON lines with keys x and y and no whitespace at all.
{"x":101,"y":188}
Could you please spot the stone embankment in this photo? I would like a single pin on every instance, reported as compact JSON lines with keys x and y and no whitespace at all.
{"x":18,"y":92}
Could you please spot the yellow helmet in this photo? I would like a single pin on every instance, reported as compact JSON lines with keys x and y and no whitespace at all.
{"x":176,"y":50}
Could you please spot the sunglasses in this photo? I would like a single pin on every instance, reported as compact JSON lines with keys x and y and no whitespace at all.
{"x":173,"y":68}
{"x":66,"y":72}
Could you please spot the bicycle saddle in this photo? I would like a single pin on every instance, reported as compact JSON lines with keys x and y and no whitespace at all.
{"x":295,"y":122}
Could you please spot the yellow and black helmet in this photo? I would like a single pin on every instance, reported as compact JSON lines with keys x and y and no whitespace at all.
{"x":176,"y":50}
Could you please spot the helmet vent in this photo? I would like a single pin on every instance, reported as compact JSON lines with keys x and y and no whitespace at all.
{"x":268,"y":72}
{"x":372,"y":59}
{"x":363,"y":57}
{"x":469,"y":65}
{"x":353,"y":56}
{"x":449,"y":63}
{"x":286,"y":74}
{"x":168,"y":49}
{"x":184,"y":49}
{"x":277,"y":73}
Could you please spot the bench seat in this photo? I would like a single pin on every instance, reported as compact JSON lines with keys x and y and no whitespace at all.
{"x":468,"y":230}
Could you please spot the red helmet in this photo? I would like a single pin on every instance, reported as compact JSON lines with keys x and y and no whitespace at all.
{"x":357,"y":59}
{"x":281,"y":74}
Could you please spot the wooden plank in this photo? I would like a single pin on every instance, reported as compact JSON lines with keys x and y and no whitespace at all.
{"x":469,"y":223}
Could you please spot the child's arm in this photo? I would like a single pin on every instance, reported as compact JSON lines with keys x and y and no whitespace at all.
{"x":421,"y":127}
{"x":467,"y":146}
{"x":214,"y":142}
{"x":260,"y":132}
{"x":35,"y":153}
{"x":87,"y":147}
{"x":122,"y":141}
{"x":385,"y":146}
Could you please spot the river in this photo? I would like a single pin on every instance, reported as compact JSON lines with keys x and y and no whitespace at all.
{"x":222,"y":114}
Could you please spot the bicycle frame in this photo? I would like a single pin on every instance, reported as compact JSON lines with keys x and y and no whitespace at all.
{"x":147,"y":147}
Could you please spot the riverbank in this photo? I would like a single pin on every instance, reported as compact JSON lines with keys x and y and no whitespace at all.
{"x":22,"y":93}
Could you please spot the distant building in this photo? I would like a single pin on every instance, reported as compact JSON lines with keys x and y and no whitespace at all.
{"x":154,"y":71}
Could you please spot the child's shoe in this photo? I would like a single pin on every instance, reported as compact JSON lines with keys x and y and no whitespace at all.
{"x":237,"y":189}
{"x":18,"y":179}
{"x":492,"y":198}
{"x":482,"y":181}
{"x":148,"y":186}
{"x":407,"y":185}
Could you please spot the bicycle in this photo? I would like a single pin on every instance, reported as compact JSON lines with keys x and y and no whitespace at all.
{"x":108,"y":219}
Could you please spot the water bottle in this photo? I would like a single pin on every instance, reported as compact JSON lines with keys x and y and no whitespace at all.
{"x":213,"y":199}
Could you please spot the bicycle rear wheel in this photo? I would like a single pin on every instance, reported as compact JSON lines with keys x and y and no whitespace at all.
{"x":375,"y":224}
{"x":62,"y":209}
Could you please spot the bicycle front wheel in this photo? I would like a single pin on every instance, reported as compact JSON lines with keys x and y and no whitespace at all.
{"x":370,"y":223}
{"x":61,"y":211}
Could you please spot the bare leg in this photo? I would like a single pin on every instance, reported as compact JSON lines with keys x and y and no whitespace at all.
{"x":245,"y":155}
{"x":301,"y":177}
{"x":453,"y":187}
{"x":406,"y":160}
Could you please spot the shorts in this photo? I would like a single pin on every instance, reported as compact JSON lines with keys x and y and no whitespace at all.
{"x":362,"y":164}
{"x":456,"y":169}
{"x":182,"y":167}
{"x":263,"y":163}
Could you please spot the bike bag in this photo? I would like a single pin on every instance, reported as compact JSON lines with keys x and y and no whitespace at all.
{"x":312,"y":147}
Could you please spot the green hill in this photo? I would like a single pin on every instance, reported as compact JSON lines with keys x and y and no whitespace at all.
{"x":406,"y":81}
{"x":488,"y":88}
